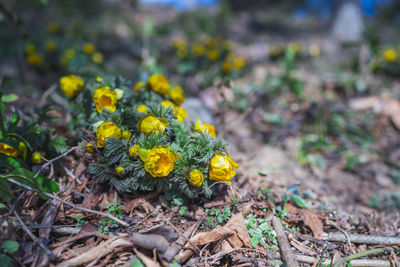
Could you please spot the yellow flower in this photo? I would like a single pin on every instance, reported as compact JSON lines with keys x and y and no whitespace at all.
{"x":103,"y":97}
{"x":226,"y":67}
{"x":120,"y":93}
{"x":239,"y":62}
{"x":180,"y":114}
{"x":228,"y":45}
{"x":213,"y":54}
{"x":177,"y":95}
{"x":71,"y":85}
{"x":37,"y":157}
{"x":134,"y":150}
{"x":88,"y":48}
{"x":390,"y":55}
{"x":314,"y":50}
{"x":222,"y":168}
{"x":198,"y":49}
{"x":97,"y":58}
{"x":126,"y":135}
{"x":296,"y":46}
{"x":106,"y":130}
{"x":34,"y":59}
{"x":158,"y":83}
{"x":22,"y":149}
{"x":119,"y":169}
{"x":89,"y":147}
{"x":150,"y":124}
{"x":177,"y":42}
{"x":30,"y":48}
{"x":50,"y":46}
{"x":53,"y":27}
{"x":99,"y":79}
{"x":142,"y":108}
{"x":69,"y":53}
{"x":205,"y":128}
{"x":196,"y":178}
{"x":160,"y":161}
{"x":8,"y":150}
{"x":139,"y":86}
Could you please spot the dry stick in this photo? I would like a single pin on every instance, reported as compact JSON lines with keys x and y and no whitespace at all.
{"x":180,"y":242}
{"x":49,"y":254}
{"x":70,"y":204}
{"x":355,"y":263}
{"x":286,"y":251}
{"x":375,"y":251}
{"x":361,"y":239}
{"x":54,"y":159}
{"x":345,"y":234}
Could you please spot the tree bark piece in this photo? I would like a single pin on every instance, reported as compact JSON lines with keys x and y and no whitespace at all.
{"x":362,"y":239}
{"x":286,"y":250}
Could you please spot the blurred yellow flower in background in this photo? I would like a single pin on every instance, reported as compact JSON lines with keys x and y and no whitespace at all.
{"x":177,"y":95}
{"x":158,"y":83}
{"x":88,"y":48}
{"x":390,"y":55}
{"x":71,"y":85}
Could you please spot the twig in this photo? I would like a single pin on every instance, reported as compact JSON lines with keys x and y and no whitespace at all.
{"x":54,"y":159}
{"x":345,"y":234}
{"x":70,"y":204}
{"x":180,"y":242}
{"x":355,"y":263}
{"x":362,"y":239}
{"x":375,"y":251}
{"x":286,"y":251}
{"x":49,"y":254}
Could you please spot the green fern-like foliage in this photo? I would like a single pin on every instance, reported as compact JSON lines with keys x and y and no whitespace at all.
{"x":128,"y":171}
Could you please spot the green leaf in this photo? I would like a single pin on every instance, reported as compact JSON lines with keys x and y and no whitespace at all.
{"x":14,"y":121}
{"x":46,"y":185}
{"x":5,"y":260}
{"x":2,"y":117}
{"x":5,"y":191}
{"x":9,"y":98}
{"x":299,"y":201}
{"x":2,"y":206}
{"x":266,"y":171}
{"x":10,"y":246}
{"x":136,"y":263}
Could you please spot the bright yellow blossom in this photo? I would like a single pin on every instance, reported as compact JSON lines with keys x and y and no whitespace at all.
{"x":177,"y":95}
{"x":142,"y":108}
{"x":89,"y":147}
{"x":390,"y":55}
{"x":134,"y":150}
{"x":8,"y":150}
{"x":158,"y":83}
{"x":196,"y":178}
{"x":126,"y":135}
{"x":37,"y":157}
{"x":180,"y":114}
{"x":119,"y":169}
{"x":205,"y":128}
{"x":222,"y":168}
{"x":150,"y":124}
{"x":159,"y":161}
{"x":71,"y":85}
{"x":106,"y":130}
{"x":22,"y":149}
{"x":104,"y":97}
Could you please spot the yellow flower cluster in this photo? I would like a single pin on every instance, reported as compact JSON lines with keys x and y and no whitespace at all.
{"x":71,"y":85}
{"x":233,"y":63}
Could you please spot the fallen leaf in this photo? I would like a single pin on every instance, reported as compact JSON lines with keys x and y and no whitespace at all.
{"x":311,"y":219}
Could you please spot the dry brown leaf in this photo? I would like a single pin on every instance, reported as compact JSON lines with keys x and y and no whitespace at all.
{"x":91,"y":201}
{"x":311,"y":219}
{"x":148,"y":262}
